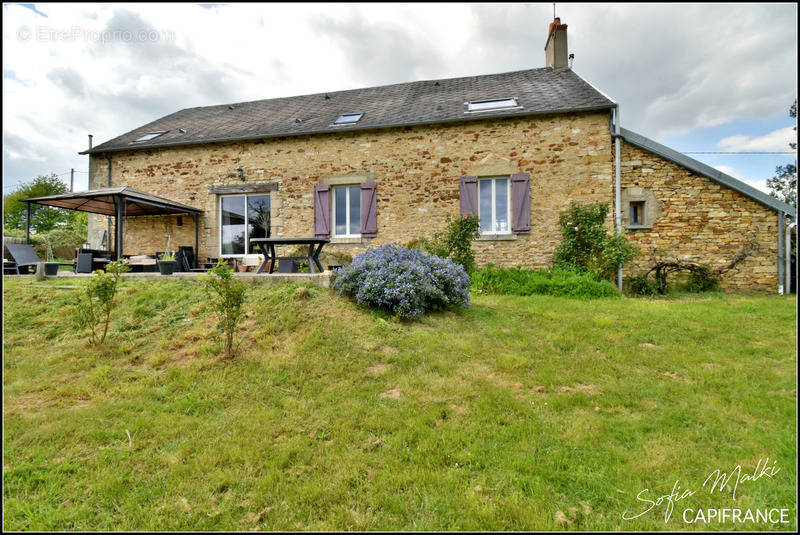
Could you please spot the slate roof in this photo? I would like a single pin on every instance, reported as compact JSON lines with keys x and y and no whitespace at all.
{"x":538,"y":91}
{"x":707,"y":171}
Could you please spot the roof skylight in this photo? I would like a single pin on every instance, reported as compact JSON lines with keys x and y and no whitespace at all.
{"x":149,"y":136}
{"x":349,"y":118}
{"x":494,"y":104}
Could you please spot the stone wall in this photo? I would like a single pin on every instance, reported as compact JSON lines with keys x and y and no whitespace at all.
{"x":699,"y":220}
{"x":417,"y":171}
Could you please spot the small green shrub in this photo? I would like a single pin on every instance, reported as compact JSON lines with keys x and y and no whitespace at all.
{"x":94,"y":305}
{"x":643,"y":285}
{"x":226,"y":296}
{"x":64,"y":241}
{"x":555,"y":281}
{"x":454,"y":241}
{"x":587,"y":245}
{"x":701,"y":280}
{"x":415,"y":243}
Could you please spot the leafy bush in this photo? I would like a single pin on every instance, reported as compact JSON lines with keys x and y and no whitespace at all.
{"x":589,"y":246}
{"x":454,"y":241}
{"x":94,"y":305}
{"x":415,"y":243}
{"x":226,"y":296}
{"x":555,"y":281}
{"x":643,"y":285}
{"x":701,"y":280}
{"x":64,"y":241}
{"x":406,"y":282}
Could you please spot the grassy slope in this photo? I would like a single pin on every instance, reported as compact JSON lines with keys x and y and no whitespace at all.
{"x":510,"y":414}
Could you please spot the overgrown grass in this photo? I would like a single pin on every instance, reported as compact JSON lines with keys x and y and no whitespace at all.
{"x":554,"y":281}
{"x":520,"y":413}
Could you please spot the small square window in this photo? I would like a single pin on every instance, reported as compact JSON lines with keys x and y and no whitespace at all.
{"x":636,"y":217}
{"x":149,"y":136}
{"x":349,"y":118}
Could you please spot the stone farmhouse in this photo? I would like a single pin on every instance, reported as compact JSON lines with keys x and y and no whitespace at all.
{"x":379,"y":165}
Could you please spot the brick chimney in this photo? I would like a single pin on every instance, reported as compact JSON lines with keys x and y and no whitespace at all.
{"x":555,"y":50}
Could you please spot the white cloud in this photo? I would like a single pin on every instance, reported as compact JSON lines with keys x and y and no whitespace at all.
{"x":759,"y":184}
{"x":673,"y":68}
{"x":728,"y":170}
{"x":777,"y":141}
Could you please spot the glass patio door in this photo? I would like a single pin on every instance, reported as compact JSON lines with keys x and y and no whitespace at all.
{"x":243,"y":217}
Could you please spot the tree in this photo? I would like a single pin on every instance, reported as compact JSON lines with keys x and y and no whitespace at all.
{"x":783,"y":185}
{"x":42,"y":218}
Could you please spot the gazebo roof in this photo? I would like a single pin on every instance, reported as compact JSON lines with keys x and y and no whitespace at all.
{"x":103,"y":201}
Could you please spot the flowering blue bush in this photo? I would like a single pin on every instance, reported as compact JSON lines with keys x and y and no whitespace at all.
{"x":406,"y":282}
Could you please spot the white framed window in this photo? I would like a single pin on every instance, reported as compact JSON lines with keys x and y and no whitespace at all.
{"x":490,"y":105}
{"x":346,"y":211}
{"x":348,"y":118}
{"x":241,"y":218}
{"x":494,"y":205}
{"x":149,"y":136}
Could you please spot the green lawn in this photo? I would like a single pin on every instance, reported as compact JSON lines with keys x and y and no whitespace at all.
{"x":521,"y":413}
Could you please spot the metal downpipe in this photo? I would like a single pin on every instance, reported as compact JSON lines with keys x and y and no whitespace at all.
{"x":108,"y":218}
{"x":781,"y":216}
{"x":617,"y":190}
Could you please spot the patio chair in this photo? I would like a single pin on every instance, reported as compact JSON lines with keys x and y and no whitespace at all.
{"x":186,"y":257}
{"x":88,"y":260}
{"x":24,"y":256}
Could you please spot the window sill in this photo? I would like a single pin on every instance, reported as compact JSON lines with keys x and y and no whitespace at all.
{"x":638,"y":227}
{"x":344,"y":240}
{"x":496,"y":237}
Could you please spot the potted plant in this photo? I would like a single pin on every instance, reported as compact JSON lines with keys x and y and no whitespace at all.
{"x":50,"y":265}
{"x":167,"y":263}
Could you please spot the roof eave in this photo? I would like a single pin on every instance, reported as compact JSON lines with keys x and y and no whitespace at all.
{"x":707,"y":171}
{"x":100,"y":150}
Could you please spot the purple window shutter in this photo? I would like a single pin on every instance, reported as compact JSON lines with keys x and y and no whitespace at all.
{"x":469,"y":195}
{"x":521,"y":201}
{"x":322,"y":211}
{"x":369,"y":210}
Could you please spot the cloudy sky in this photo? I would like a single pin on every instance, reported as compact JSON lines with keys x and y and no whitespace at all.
{"x":695,"y":77}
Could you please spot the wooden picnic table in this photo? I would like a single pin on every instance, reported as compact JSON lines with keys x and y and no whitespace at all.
{"x":267,"y":247}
